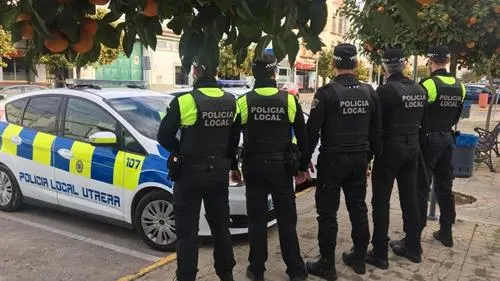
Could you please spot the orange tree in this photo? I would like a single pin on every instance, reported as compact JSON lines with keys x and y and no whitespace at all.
{"x":59,"y":26}
{"x":468,"y":27}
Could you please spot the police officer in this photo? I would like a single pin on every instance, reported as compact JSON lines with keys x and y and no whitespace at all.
{"x":402,"y":103}
{"x":445,"y":98}
{"x":268,"y":116}
{"x":199,"y":165}
{"x":346,"y":112}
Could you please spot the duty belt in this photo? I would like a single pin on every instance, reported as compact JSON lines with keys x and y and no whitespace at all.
{"x":277,"y":156}
{"x":200,"y":162}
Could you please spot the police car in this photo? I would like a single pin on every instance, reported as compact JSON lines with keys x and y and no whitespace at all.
{"x":94,"y":151}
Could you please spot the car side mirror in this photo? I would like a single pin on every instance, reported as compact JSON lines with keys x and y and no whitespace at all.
{"x":103,"y":138}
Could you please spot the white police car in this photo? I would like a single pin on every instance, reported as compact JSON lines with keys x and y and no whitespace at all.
{"x":95,"y":151}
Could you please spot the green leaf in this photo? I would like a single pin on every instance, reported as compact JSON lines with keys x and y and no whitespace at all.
{"x":108,"y":35}
{"x":291,"y":17}
{"x":112,"y":16}
{"x":30,"y":61}
{"x":241,"y":55}
{"x":292,"y":48}
{"x":263,"y":43}
{"x":224,"y":5}
{"x":38,"y":22}
{"x":128,"y":41}
{"x":243,"y":10}
{"x":408,"y":14}
{"x":279,"y":48}
{"x":67,"y":22}
{"x":249,"y":30}
{"x":318,"y":12}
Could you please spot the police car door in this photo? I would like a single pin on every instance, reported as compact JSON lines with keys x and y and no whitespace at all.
{"x":84,"y":165}
{"x":27,"y":143}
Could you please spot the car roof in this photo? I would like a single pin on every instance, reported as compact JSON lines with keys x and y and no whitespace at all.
{"x":105,"y":94}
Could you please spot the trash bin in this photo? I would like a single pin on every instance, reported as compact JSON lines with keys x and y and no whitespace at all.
{"x":483,"y":100}
{"x":466,"y":110}
{"x":463,"y":155}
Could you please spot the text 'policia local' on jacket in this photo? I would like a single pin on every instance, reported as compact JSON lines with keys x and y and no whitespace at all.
{"x":268,"y":116}
{"x":445,"y":97}
{"x":205,"y":118}
{"x":340,"y":109}
{"x":402,"y":104}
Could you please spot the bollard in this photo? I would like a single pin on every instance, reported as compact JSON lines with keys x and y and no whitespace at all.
{"x":432,"y":208}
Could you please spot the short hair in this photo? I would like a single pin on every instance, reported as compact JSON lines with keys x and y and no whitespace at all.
{"x":394,"y":67}
{"x":439,"y":60}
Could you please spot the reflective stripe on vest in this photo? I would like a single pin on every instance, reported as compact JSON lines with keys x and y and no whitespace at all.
{"x":187,"y":106}
{"x":431,"y":87}
{"x":267,"y":91}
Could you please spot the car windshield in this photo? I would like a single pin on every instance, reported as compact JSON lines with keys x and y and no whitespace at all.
{"x":143,"y":113}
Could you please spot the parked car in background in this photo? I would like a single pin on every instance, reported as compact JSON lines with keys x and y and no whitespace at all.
{"x":473,"y":91}
{"x":15,"y":90}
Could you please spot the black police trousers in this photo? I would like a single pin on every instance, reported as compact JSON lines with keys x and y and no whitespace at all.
{"x":197,"y":183}
{"x":346,"y":171}
{"x":263,"y":177}
{"x":398,"y":161}
{"x":438,"y":152}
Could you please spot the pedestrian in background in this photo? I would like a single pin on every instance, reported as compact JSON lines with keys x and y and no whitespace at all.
{"x":199,"y":165}
{"x":445,"y":97}
{"x":268,"y":116}
{"x":346,"y":115}
{"x":402,"y":102}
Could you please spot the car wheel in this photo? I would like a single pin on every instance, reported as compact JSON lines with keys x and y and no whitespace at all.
{"x":11,"y":197}
{"x":155,"y":220}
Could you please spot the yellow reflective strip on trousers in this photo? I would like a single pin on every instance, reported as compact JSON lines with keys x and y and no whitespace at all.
{"x":292,"y":108}
{"x":431,"y":89}
{"x":127,"y":170}
{"x":243,"y":105}
{"x":188,"y":110}
{"x":8,"y":146}
{"x":82,"y":159}
{"x":42,"y":148}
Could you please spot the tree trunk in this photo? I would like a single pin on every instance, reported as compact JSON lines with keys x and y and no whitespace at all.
{"x":323,"y":82}
{"x":78,"y":72}
{"x":493,"y":98}
{"x":60,"y":79}
{"x":453,"y":63}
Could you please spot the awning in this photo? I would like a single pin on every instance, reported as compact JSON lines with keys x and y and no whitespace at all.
{"x":305,"y":66}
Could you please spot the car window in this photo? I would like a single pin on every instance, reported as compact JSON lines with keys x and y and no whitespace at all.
{"x":130,"y":144}
{"x":84,"y":118}
{"x":14,"y":109}
{"x":41,"y":114}
{"x":11,"y":92}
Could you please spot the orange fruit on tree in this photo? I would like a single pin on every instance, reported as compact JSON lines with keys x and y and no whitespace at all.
{"x":88,"y":28}
{"x":151,"y":9}
{"x":23,"y":17}
{"x":381,"y":9}
{"x":471,"y":44}
{"x":84,"y":46}
{"x":472,"y":21}
{"x":99,"y":2}
{"x":497,"y":9}
{"x":424,"y":2}
{"x":58,"y":43}
{"x":27,"y":31}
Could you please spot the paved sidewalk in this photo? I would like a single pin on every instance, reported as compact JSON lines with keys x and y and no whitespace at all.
{"x":475,"y":256}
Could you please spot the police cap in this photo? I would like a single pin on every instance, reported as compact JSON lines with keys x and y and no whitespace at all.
{"x":345,"y":56}
{"x":393,"y":55}
{"x":438,"y":52}
{"x":265,"y":66}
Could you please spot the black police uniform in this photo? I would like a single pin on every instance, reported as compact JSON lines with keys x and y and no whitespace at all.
{"x":267,"y":168}
{"x":204,"y":152}
{"x":437,"y":144}
{"x":347,"y":114}
{"x":402,"y":103}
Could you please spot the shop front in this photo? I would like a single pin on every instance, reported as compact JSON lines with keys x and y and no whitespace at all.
{"x":305,"y":76}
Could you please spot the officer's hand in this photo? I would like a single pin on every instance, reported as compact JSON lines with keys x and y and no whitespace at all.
{"x":311,"y":168}
{"x":300,"y":178}
{"x":235,"y":176}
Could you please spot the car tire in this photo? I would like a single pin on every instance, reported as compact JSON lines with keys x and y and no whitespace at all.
{"x":155,"y":220}
{"x":11,"y":197}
